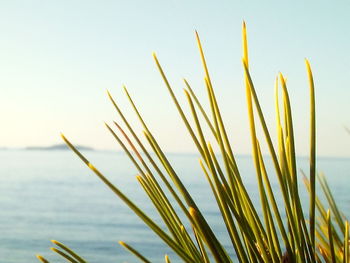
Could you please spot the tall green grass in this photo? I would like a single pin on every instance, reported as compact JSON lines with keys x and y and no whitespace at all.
{"x":256,"y":237}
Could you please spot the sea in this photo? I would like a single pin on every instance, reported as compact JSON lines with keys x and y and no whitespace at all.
{"x":52,"y":195}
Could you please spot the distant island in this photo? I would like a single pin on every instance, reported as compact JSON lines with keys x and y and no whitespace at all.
{"x":58,"y":147}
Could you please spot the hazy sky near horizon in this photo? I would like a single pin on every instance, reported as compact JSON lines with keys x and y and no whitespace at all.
{"x":58,"y":58}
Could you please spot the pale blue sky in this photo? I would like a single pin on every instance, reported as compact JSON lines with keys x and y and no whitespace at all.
{"x":57,"y":58}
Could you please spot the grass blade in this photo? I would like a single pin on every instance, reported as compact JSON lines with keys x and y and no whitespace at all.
{"x":312,"y":153}
{"x":134,"y":251}
{"x":64,"y":255}
{"x":42,"y":259}
{"x":70,"y":251}
{"x":346,"y":244}
{"x":330,"y":236}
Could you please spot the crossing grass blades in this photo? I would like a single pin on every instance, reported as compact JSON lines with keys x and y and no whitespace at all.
{"x":321,"y":237}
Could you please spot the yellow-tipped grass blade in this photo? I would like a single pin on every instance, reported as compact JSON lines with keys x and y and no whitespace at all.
{"x":42,"y":259}
{"x":134,"y":251}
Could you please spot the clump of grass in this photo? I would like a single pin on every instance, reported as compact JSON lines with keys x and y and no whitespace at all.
{"x":267,"y":238}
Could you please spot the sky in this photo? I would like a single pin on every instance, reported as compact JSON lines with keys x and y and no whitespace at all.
{"x":58,"y":58}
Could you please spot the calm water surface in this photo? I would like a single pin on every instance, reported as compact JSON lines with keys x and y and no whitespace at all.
{"x":48,"y":195}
